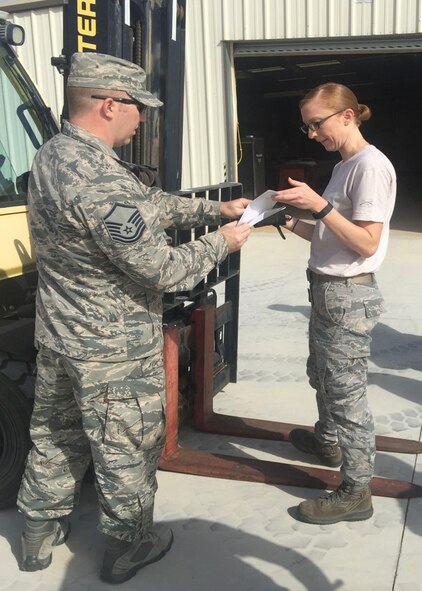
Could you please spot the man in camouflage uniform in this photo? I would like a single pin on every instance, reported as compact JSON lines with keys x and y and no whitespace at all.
{"x":104,"y":264}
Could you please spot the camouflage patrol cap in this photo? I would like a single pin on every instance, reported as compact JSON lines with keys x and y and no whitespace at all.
{"x":98,"y":70}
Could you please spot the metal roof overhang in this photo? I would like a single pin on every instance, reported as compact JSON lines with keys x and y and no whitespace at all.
{"x":362,"y":45}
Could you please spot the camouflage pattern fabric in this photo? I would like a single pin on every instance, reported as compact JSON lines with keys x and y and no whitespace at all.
{"x":112,"y":412}
{"x":102,"y":254}
{"x":99,"y":70}
{"x":342,"y":317}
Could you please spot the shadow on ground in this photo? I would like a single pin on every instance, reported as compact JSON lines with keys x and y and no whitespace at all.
{"x":205,"y":555}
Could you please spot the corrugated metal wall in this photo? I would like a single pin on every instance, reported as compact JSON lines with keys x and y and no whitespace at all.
{"x":210,"y":23}
{"x":282,"y":19}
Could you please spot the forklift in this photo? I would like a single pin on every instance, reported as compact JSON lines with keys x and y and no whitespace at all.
{"x":150,"y":34}
{"x":25,"y":124}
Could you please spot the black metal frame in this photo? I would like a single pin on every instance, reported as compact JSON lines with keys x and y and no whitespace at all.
{"x":180,"y":305}
{"x":152,"y":42}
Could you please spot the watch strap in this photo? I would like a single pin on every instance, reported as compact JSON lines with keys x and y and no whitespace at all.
{"x":323,"y":212}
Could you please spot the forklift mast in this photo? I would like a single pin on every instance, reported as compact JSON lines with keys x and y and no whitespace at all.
{"x":150,"y":34}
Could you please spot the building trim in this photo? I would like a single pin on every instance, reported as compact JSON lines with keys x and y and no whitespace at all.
{"x":384,"y":44}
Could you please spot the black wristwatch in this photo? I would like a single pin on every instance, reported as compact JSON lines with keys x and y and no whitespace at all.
{"x":323,"y":212}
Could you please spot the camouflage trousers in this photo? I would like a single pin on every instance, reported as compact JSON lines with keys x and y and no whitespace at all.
{"x":112,"y":413}
{"x":342,"y":317}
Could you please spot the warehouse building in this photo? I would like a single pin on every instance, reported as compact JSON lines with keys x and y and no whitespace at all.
{"x":248,"y":62}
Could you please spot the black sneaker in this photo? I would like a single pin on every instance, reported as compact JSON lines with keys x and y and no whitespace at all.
{"x":329,"y":454}
{"x":122,"y":559}
{"x":38,"y":540}
{"x":349,"y":502}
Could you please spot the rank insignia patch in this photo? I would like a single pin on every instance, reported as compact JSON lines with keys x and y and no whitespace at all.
{"x":124,"y":224}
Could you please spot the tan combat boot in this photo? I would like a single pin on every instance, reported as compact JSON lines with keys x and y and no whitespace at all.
{"x":329,"y":454}
{"x":123,"y":559}
{"x":350,"y":502}
{"x":38,"y":541}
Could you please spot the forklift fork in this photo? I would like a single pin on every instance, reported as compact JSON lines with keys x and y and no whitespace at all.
{"x":190,"y":461}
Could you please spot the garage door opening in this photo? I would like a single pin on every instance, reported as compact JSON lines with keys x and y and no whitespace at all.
{"x":269,"y":87}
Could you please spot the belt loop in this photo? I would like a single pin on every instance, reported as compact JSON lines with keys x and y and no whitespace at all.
{"x":309,"y":275}
{"x":310,"y":296}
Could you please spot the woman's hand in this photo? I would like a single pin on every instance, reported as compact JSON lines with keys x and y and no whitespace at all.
{"x":301,"y":195}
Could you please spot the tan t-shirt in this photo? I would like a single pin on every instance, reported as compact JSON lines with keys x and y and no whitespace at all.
{"x":361,"y":188}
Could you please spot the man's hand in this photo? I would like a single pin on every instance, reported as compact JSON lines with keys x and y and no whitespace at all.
{"x":235,"y":235}
{"x":234,"y":209}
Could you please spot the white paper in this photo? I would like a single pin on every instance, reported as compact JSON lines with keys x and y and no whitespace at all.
{"x":260,"y":208}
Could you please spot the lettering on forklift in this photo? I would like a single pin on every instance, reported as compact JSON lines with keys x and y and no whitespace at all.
{"x":87,"y":24}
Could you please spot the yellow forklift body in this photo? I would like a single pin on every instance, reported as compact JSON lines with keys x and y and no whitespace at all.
{"x":15,"y":243}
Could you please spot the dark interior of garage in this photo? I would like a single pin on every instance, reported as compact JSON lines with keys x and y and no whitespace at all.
{"x":272,"y":147}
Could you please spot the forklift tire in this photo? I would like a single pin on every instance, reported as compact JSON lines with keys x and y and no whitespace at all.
{"x":15,"y":442}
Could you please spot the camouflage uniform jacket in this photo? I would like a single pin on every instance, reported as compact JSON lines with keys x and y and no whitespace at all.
{"x":101,"y":250}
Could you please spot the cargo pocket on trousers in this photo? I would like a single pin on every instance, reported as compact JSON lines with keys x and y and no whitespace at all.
{"x":133,"y":423}
{"x":373,"y":310}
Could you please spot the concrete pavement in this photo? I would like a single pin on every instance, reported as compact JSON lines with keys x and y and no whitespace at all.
{"x":233,"y":535}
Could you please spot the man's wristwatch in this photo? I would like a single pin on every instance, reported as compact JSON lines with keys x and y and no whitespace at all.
{"x":323,"y":212}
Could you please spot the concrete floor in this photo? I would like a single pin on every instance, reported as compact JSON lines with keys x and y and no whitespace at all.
{"x":232,"y":535}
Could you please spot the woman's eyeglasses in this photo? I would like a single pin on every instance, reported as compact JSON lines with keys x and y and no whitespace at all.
{"x":315,"y":125}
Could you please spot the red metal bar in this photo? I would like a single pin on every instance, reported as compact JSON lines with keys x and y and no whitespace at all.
{"x":211,"y":422}
{"x":261,"y":429}
{"x":189,"y":461}
{"x":171,"y":364}
{"x":204,"y":463}
{"x":203,"y":341}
